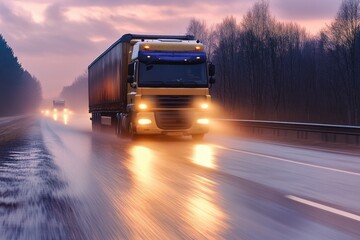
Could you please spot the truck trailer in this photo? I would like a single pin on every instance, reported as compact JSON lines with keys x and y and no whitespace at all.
{"x":152,"y":84}
{"x":58,"y":104}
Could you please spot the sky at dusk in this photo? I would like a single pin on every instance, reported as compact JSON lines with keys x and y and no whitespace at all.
{"x":57,"y":40}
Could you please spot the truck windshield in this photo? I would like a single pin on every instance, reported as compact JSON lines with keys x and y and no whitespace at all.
{"x":173,"y":75}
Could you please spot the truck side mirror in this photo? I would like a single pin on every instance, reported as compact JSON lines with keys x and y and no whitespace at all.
{"x":211,"y":70}
{"x":131,"y":72}
{"x":131,"y":79}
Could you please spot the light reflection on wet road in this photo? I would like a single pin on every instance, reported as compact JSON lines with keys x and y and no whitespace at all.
{"x":33,"y":203}
{"x":65,"y":182}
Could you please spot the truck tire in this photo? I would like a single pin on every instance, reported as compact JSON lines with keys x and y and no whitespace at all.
{"x":132,"y":132}
{"x":95,"y":123}
{"x":120,"y":129}
{"x":197,"y":137}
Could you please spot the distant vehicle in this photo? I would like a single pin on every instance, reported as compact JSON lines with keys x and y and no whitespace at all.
{"x":60,"y":111}
{"x":152,"y":84}
{"x":58,"y":104}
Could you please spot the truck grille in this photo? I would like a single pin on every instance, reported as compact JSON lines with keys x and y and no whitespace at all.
{"x":180,"y":101}
{"x":173,"y":120}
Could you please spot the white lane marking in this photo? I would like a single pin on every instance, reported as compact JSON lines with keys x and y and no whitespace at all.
{"x":290,"y":161}
{"x":325,"y":208}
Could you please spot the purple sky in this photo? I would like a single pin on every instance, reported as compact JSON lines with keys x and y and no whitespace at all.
{"x":56,"y":40}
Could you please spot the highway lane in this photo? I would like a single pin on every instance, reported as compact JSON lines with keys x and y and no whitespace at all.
{"x":65,"y":182}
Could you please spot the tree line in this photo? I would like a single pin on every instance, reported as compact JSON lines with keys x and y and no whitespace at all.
{"x":19,"y":91}
{"x":270,"y":70}
{"x":76,"y":94}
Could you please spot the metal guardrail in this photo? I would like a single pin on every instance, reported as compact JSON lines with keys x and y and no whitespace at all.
{"x":324,"y":132}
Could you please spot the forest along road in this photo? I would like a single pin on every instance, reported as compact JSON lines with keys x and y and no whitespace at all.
{"x":61,"y":181}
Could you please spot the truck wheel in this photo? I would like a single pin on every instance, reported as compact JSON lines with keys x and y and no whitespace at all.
{"x":118,"y":127}
{"x":95,"y":124}
{"x":121,"y":131}
{"x":124,"y":128}
{"x":197,"y":137}
{"x":133,"y":135}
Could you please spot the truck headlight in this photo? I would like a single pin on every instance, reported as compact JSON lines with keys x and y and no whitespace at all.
{"x":144,"y":121}
{"x":143,"y":106}
{"x":203,"y":121}
{"x":204,"y":106}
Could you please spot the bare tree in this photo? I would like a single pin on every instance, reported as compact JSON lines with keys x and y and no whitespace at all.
{"x":272,"y":70}
{"x":257,"y":26}
{"x":343,"y":38}
{"x":201,"y":32}
{"x":226,"y":54}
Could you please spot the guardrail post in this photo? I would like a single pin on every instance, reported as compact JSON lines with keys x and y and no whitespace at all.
{"x":324,"y":132}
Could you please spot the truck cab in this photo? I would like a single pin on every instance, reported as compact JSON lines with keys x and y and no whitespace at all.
{"x":169,"y":88}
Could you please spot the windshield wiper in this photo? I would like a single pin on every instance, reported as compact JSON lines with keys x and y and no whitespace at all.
{"x":183,"y":83}
{"x":194,"y":83}
{"x":152,"y":83}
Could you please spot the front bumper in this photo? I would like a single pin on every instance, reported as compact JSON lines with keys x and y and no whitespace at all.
{"x":153,"y":128}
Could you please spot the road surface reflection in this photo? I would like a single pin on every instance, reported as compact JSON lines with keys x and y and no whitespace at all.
{"x":90,"y":185}
{"x":204,"y":156}
{"x":202,"y":210}
{"x":141,"y":166}
{"x":165,"y":199}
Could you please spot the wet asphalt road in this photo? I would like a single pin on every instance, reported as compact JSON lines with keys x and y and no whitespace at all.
{"x":62,"y":181}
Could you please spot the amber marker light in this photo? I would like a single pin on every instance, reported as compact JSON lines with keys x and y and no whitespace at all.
{"x":197,"y":48}
{"x":146,"y":47}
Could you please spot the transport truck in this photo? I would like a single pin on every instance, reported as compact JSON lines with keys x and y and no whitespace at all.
{"x":151,"y":85}
{"x":59,"y":111}
{"x":58,"y":104}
